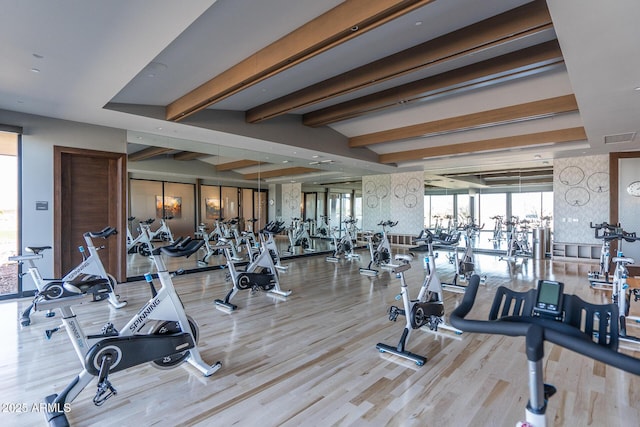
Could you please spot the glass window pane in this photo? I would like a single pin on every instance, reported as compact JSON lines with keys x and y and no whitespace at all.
{"x":491,"y":205}
{"x":442,"y":210}
{"x":428,"y":219}
{"x":357,"y":208}
{"x":334,"y":211}
{"x":527,"y":206}
{"x":547,"y":209}
{"x":463,"y":215}
{"x":9,"y":213}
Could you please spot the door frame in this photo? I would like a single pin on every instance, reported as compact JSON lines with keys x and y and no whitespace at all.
{"x":118,"y":192}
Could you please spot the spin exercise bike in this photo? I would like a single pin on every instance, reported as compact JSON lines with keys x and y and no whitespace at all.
{"x":90,"y":267}
{"x":322,"y":230}
{"x":259,"y":275}
{"x":607,"y":232}
{"x":498,"y":234}
{"x":379,"y":249}
{"x":298,"y":234}
{"x":208,"y":247}
{"x":620,"y":291}
{"x":426,"y":311}
{"x":163,"y":232}
{"x":267,"y":237}
{"x":160,"y":332}
{"x":465,"y":266}
{"x":142,"y":242}
{"x":517,"y":240}
{"x":344,"y":245}
{"x":547,"y":314}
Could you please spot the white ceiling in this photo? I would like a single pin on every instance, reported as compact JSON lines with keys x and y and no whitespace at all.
{"x":151,"y":52}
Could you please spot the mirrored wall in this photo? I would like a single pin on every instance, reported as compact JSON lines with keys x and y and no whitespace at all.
{"x":200,"y":210}
{"x":172,"y":210}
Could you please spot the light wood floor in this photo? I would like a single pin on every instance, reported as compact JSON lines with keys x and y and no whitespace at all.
{"x":311,"y":360}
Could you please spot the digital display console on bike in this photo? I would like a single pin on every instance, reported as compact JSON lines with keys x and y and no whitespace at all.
{"x":549,"y":299}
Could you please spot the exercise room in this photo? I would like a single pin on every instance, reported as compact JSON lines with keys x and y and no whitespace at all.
{"x":320,"y":213}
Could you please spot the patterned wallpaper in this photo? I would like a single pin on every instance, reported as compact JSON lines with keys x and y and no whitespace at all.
{"x":580,"y":196}
{"x":397,"y":197}
{"x":290,"y":201}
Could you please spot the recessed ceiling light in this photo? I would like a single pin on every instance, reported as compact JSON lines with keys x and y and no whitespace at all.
{"x":285,"y":161}
{"x":36,"y":55}
{"x":154,"y":69}
{"x":418,"y":23}
{"x":537,"y":156}
{"x":315,"y":156}
{"x":159,"y":128}
{"x":35,"y":70}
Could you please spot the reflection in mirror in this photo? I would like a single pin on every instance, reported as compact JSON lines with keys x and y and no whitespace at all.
{"x":208,"y":185}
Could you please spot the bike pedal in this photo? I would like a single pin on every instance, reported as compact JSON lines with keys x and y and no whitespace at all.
{"x":549,"y":391}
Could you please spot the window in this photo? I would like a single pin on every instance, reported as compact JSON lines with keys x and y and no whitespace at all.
{"x":492,"y":205}
{"x":9,"y":213}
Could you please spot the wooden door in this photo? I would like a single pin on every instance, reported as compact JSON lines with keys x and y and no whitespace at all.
{"x":89,"y":195}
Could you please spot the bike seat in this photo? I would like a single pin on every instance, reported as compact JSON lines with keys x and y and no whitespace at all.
{"x":104,"y":233}
{"x":179,"y":251}
{"x":623,"y":260}
{"x":94,"y":286}
{"x":37,"y":249}
{"x":403,"y":257}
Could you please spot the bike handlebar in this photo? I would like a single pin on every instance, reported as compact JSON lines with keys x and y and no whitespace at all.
{"x":553,"y":331}
{"x":427,"y":236}
{"x":620,"y":235}
{"x":388,"y":223}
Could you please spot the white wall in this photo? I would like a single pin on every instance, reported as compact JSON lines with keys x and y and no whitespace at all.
{"x":40,"y":135}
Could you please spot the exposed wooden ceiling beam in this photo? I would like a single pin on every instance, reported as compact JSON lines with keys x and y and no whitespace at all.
{"x":511,"y":66}
{"x":236,"y":165}
{"x":280,"y":172}
{"x":554,"y":136}
{"x":340,"y":24}
{"x":514,"y":113}
{"x":507,"y":27}
{"x":189,"y":155}
{"x":147,"y":153}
